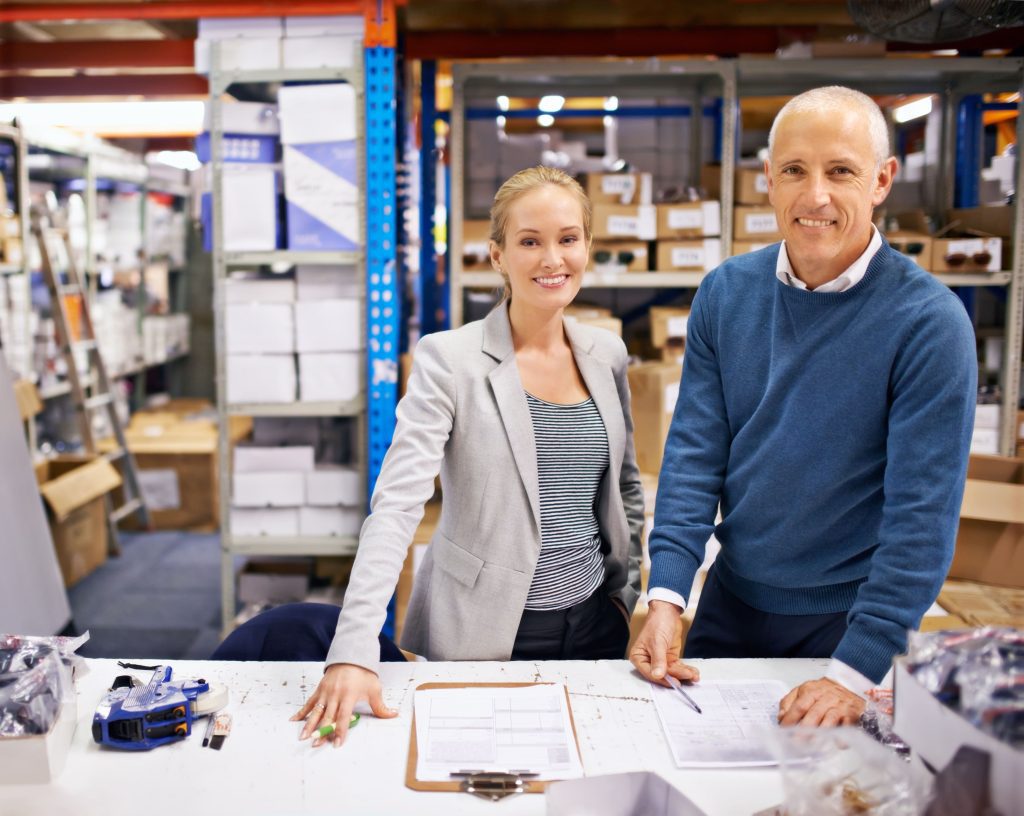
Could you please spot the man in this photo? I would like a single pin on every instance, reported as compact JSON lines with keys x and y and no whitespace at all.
{"x":827,"y":407}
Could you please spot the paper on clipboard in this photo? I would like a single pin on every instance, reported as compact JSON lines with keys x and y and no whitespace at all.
{"x":726,"y":734}
{"x":489,"y":728}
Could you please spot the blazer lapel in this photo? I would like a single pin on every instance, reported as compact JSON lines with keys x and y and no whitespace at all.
{"x":601,"y":384}
{"x":511,"y":400}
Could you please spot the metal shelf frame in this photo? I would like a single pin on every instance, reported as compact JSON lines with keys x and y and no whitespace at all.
{"x":638,"y":79}
{"x":372,"y":76}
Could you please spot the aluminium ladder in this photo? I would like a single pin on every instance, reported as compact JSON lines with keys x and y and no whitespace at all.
{"x":101,"y":398}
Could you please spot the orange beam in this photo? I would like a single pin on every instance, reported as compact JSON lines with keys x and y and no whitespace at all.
{"x":20,"y":55}
{"x":174,"y":10}
{"x":121,"y":85}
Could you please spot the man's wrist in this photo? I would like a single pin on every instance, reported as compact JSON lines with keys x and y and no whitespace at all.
{"x":657,"y":607}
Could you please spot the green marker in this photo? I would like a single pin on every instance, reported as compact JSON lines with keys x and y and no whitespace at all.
{"x":327,"y":730}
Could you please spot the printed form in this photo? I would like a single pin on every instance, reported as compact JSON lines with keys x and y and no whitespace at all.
{"x":726,"y":734}
{"x":473,"y":729}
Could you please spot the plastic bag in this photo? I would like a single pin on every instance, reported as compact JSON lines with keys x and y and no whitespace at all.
{"x":35,"y":679}
{"x":842,"y":772}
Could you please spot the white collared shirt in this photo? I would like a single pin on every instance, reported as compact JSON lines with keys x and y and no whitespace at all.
{"x":837,"y":670}
{"x":851,"y":277}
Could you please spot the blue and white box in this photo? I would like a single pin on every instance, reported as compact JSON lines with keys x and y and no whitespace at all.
{"x":321,"y":166}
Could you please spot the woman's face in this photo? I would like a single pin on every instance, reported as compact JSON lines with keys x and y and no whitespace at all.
{"x":545,"y":252}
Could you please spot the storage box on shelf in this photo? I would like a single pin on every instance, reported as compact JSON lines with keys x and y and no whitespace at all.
{"x":654,"y":389}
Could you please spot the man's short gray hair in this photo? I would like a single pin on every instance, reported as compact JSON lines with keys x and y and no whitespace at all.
{"x":838,"y":97}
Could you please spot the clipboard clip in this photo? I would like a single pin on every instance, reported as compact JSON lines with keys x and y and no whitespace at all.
{"x":492,"y":785}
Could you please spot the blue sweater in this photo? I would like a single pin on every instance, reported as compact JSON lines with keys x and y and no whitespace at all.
{"x":834,"y":429}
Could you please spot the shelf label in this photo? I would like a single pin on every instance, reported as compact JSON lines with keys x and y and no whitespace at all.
{"x":761,"y":222}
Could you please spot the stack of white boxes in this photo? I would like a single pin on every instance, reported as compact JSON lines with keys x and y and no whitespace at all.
{"x":318,"y":315}
{"x":985,"y":438}
{"x":281,"y":492}
{"x":321,"y":168}
{"x":328,"y":333}
{"x":15,"y":332}
{"x":164,"y":336}
{"x":260,"y":339}
{"x":117,"y":332}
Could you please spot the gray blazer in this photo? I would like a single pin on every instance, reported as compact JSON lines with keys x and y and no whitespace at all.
{"x":465,"y":414}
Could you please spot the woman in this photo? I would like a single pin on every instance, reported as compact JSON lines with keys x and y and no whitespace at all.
{"x":537,"y":549}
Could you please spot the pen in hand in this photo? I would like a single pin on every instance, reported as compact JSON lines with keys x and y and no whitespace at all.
{"x":679,"y":687}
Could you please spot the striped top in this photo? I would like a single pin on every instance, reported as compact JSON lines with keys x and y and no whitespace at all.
{"x":572,"y":458}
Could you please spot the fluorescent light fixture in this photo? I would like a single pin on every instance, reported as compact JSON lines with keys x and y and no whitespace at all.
{"x":503,"y":103}
{"x":501,"y":121}
{"x":607,"y":121}
{"x":611,"y":103}
{"x":913,"y":110}
{"x":545,"y":120}
{"x":149,"y":118}
{"x":181,"y":159}
{"x":551,"y":104}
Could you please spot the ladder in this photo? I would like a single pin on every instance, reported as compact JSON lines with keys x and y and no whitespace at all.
{"x":101,"y":397}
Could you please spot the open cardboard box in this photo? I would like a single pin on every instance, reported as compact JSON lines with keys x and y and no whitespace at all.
{"x":73,"y":488}
{"x":990,"y":542}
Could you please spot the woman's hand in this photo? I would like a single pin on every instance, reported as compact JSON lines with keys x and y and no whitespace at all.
{"x":342,"y":686}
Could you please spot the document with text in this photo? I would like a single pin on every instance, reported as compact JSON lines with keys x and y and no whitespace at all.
{"x":726,"y":734}
{"x":478,"y":728}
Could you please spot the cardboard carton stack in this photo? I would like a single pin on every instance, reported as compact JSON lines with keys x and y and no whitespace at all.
{"x":688,"y":236}
{"x":624,"y":221}
{"x":594,"y":316}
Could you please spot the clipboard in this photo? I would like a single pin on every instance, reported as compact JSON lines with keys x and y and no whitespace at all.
{"x":529,"y":786}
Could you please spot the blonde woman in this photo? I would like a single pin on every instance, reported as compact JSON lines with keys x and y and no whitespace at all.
{"x":526,"y":417}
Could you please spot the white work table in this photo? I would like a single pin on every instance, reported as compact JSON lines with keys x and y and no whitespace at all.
{"x":264,"y":769}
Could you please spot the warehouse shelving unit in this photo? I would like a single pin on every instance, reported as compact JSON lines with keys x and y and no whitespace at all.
{"x":630,"y":79}
{"x":953,"y":79}
{"x":372,"y":78}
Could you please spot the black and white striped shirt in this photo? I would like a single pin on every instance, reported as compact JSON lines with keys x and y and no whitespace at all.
{"x":572,"y":458}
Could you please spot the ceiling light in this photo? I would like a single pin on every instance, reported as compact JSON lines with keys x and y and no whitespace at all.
{"x":503,"y":103}
{"x":551,"y":104}
{"x":163,"y":118}
{"x":545,"y":120}
{"x":501,"y":121}
{"x":181,"y":159}
{"x":611,"y":103}
{"x":913,"y":110}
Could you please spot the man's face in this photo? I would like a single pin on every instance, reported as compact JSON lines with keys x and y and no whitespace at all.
{"x":824,"y":185}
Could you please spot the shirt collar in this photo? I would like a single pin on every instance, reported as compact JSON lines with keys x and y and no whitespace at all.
{"x":851,"y":277}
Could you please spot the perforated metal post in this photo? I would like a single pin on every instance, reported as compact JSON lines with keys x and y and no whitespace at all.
{"x":382,"y":313}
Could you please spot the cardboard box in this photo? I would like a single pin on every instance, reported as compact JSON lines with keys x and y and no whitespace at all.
{"x":985,"y":440}
{"x":701,"y":255}
{"x":330,"y":521}
{"x":333,"y":485}
{"x":963,"y":255}
{"x":317,"y":52}
{"x":620,"y":221}
{"x":330,"y":377}
{"x":983,"y":605}
{"x":990,"y":541}
{"x":935,"y":732}
{"x":622,"y":256}
{"x":585,"y":310}
{"x":476,"y":234}
{"x":38,"y":759}
{"x":751,"y":186}
{"x":695,"y":219}
{"x":743,"y":247}
{"x":74,"y":488}
{"x":285,"y":459}
{"x":916,"y":246}
{"x":276,"y":582}
{"x":328,"y":325}
{"x":673,"y":351}
{"x":26,"y":396}
{"x":263,"y":291}
{"x":12,"y":251}
{"x":612,"y":324}
{"x":654,"y":388}
{"x":321,"y":168}
{"x":266,"y":521}
{"x":667,"y":322}
{"x":260,"y":378}
{"x":260,"y":328}
{"x":755,"y":224}
{"x":997,"y":220}
{"x":326,"y":282}
{"x":268,"y":489}
{"x":618,"y":188}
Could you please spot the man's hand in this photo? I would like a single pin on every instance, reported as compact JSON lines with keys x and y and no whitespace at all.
{"x":657,"y":648}
{"x":820,"y":702}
